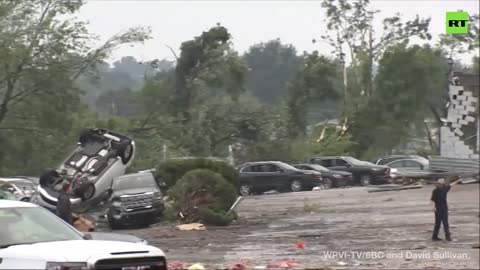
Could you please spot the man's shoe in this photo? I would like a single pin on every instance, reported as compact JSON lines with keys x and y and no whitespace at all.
{"x":448,"y":238}
{"x":436,"y":239}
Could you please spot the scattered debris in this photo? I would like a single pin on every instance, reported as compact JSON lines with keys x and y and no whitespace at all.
{"x":239,"y":266}
{"x":82,"y":224}
{"x":388,"y":200}
{"x":191,"y":227}
{"x":471,"y":181}
{"x":300,"y":245}
{"x":394,"y":188}
{"x":271,"y":192}
{"x":283,"y":264}
{"x":176,"y":265}
{"x":476,"y":245}
{"x":420,"y":247}
{"x":341,"y":263}
{"x":317,"y":188}
{"x":234,"y":205}
{"x":196,"y":266}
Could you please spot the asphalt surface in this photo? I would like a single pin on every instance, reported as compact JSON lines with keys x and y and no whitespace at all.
{"x":340,"y":228}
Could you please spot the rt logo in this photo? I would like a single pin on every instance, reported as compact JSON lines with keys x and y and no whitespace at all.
{"x":457,"y":22}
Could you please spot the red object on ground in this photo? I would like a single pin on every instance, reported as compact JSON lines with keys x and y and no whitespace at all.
{"x":239,"y":266}
{"x":176,"y":265}
{"x":283,"y":264}
{"x":300,"y":244}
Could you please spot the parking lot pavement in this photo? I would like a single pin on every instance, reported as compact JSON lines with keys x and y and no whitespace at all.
{"x":344,"y":228}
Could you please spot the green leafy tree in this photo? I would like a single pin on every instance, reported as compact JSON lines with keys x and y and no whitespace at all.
{"x":271,"y":66}
{"x":350,"y":25}
{"x":207,"y":61}
{"x":410,"y":82}
{"x":43,"y":51}
{"x":315,"y":81}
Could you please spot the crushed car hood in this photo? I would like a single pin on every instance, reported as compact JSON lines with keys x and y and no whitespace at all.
{"x":75,"y":251}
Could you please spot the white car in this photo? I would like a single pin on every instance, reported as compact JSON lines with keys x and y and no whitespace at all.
{"x":99,"y":157}
{"x":21,"y":189}
{"x":33,"y":238}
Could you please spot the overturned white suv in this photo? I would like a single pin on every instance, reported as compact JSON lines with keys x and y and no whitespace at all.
{"x":99,"y":157}
{"x":33,"y":238}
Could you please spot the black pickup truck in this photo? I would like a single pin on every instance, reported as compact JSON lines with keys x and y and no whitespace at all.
{"x":364,"y":173}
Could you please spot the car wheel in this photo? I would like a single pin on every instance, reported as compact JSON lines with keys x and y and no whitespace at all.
{"x":296,"y":185}
{"x":245,"y":190}
{"x":327,"y":183}
{"x":365,"y":180}
{"x":86,"y":136}
{"x":125,"y":151}
{"x":84,"y":189}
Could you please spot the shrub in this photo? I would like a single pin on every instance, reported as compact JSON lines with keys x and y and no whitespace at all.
{"x":203,"y":195}
{"x":171,"y":171}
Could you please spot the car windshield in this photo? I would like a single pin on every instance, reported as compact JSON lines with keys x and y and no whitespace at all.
{"x":318,"y":167}
{"x":26,"y":225}
{"x":355,"y":161}
{"x":134,"y":181}
{"x":286,"y":166}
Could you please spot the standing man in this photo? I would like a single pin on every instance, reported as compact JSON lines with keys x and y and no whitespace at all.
{"x":64,"y":207}
{"x":439,"y":205}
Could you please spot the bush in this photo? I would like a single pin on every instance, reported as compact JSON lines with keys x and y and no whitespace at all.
{"x":203,"y":196}
{"x":171,"y":171}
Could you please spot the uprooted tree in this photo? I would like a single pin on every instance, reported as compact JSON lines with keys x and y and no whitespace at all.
{"x":203,"y":196}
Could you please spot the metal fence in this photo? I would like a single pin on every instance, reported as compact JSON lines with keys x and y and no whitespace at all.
{"x":454,"y":164}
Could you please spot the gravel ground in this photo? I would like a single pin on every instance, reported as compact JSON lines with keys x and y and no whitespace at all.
{"x":341,"y":229}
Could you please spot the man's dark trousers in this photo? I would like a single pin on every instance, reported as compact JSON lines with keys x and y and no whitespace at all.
{"x":441,"y":216}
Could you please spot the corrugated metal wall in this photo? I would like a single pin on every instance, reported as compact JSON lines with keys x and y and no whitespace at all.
{"x":454,"y":164}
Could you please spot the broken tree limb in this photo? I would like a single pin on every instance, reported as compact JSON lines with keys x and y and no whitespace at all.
{"x":394,"y":189}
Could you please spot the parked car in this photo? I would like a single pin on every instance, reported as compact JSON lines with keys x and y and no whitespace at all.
{"x":136,"y":200}
{"x":411,"y":166}
{"x":34,"y":238}
{"x":364,"y":173}
{"x":99,"y":157}
{"x":275,"y":175}
{"x":330,"y":178}
{"x":21,"y":189}
{"x":405,"y":161}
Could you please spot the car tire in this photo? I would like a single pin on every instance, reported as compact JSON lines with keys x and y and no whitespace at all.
{"x":365,"y":180}
{"x":84,"y":189}
{"x":125,"y":151}
{"x":245,"y":190}
{"x":85,"y":137}
{"x":25,"y":199}
{"x":296,"y":186}
{"x":327,"y":183}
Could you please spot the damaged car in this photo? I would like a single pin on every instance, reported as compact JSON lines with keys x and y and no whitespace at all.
{"x":20,"y":189}
{"x":136,"y":199}
{"x":99,"y":157}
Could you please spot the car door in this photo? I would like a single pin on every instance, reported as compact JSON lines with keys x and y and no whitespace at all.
{"x":340,"y":164}
{"x":280,"y":177}
{"x":249,"y":175}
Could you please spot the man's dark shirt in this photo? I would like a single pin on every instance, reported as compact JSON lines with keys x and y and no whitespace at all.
{"x":439,"y":196}
{"x":64,"y":210}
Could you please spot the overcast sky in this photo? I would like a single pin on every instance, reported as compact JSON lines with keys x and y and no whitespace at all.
{"x":249,"y":22}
